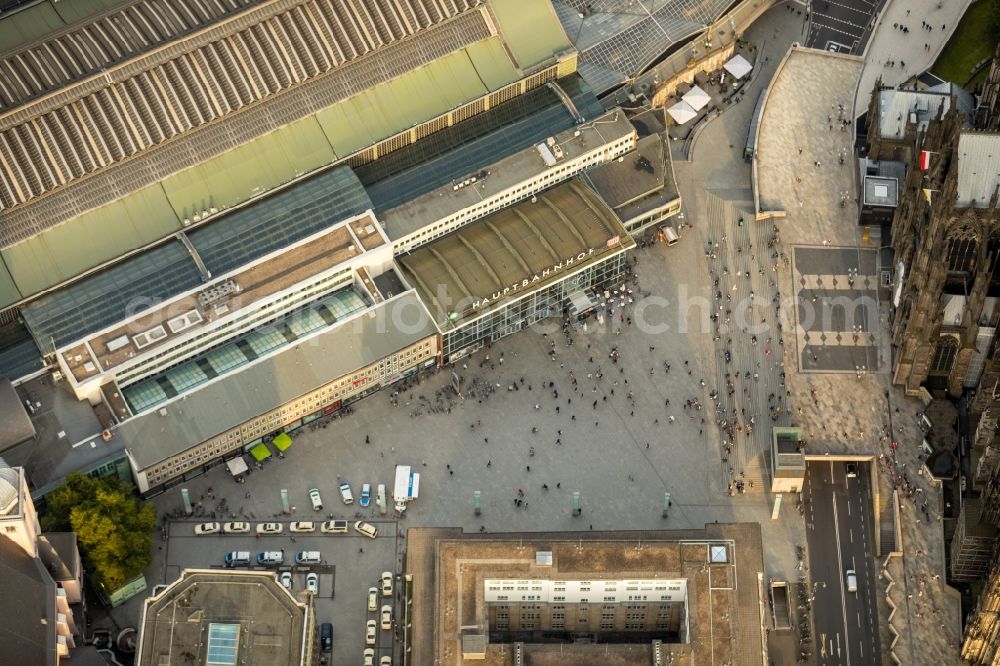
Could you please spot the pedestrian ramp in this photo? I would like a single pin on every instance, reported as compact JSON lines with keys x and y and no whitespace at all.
{"x":886,"y":523}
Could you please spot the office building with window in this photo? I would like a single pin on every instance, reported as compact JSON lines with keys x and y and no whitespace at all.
{"x":617,"y":597}
{"x":42,"y":581}
{"x":226,"y":618}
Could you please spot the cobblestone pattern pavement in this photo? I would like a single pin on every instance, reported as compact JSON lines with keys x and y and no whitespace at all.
{"x":913,"y":51}
{"x":843,"y":413}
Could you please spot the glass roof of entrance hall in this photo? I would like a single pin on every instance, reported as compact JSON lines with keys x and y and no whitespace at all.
{"x":236,"y":238}
{"x":458,"y":151}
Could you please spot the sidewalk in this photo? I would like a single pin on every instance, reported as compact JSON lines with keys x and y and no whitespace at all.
{"x":906,"y":48}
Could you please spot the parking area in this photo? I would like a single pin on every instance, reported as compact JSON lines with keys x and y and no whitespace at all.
{"x":841,"y":26}
{"x":349,"y":565}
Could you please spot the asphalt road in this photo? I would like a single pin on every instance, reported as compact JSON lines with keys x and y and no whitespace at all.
{"x":840,"y":537}
{"x":841,"y":26}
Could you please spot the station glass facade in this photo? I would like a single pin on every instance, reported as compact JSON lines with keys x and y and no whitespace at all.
{"x":515,"y":315}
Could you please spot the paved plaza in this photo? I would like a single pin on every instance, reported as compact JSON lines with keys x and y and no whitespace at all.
{"x":655,"y":398}
{"x":837,"y":310}
{"x":894,"y":55}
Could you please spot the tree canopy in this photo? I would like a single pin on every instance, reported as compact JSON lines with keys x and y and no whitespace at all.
{"x":113,"y":526}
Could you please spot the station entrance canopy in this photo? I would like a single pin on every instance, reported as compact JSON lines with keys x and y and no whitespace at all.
{"x":513,"y":252}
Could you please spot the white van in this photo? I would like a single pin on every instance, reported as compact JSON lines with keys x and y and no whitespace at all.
{"x":308,"y":557}
{"x":271,"y":557}
{"x":236,"y":558}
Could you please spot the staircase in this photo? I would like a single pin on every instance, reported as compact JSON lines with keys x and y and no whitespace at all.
{"x":886,"y":523}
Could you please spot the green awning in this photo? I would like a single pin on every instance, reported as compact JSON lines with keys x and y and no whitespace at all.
{"x":282,"y":441}
{"x":260,"y":452}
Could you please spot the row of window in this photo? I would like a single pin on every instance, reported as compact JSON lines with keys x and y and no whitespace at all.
{"x":185,"y":349}
{"x":272,"y":421}
{"x":510,"y":197}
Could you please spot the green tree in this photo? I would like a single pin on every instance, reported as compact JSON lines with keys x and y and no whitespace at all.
{"x":113,"y":526}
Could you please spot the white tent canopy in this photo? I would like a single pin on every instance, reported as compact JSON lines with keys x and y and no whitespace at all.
{"x":237,"y":466}
{"x":697,"y":98}
{"x":682,"y":112}
{"x":738,"y":66}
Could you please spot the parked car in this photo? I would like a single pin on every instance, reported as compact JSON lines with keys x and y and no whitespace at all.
{"x":312,"y":582}
{"x":268,"y":528}
{"x":238,"y":558}
{"x":334,"y":527}
{"x":380,"y":497}
{"x":369,"y":657}
{"x":366,"y":495}
{"x":345,"y":493}
{"x":271,"y":557}
{"x":367,"y":529}
{"x":236,"y":528}
{"x":326,"y":637}
{"x":386,"y":660}
{"x":371,"y":630}
{"x":314,"y":497}
{"x":206,"y":528}
{"x":386,"y":583}
{"x":372,"y":599}
{"x":286,"y":579}
{"x":386,"y":619}
{"x":302,"y":526}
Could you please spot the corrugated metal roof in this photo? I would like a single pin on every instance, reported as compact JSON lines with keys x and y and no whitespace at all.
{"x":275,"y":380}
{"x":531,"y":30}
{"x":978,"y":168}
{"x":521,"y":242}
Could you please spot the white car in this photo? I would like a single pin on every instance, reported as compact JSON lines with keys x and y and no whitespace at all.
{"x":369,"y":530}
{"x":366,"y":495}
{"x":372,"y":599}
{"x":312,"y":582}
{"x":369,"y":655}
{"x":345,"y":493}
{"x":300,"y":526}
{"x":236,"y":528}
{"x":385,"y":661}
{"x":317,"y":501}
{"x":371,"y":629}
{"x":386,"y":619}
{"x":206,"y":528}
{"x":286,"y":579}
{"x":334,"y":527}
{"x":269,"y":528}
{"x":851,"y":580}
{"x":386,"y":583}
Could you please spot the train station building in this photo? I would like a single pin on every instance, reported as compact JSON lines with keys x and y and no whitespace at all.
{"x":302,"y":203}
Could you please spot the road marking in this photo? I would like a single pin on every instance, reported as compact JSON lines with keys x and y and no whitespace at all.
{"x":859,"y":620}
{"x":840,"y":565}
{"x":850,"y":533}
{"x":848,"y":507}
{"x":832,"y":29}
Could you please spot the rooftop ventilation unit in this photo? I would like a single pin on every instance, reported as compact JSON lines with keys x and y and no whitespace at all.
{"x":147,"y":338}
{"x":217,"y":292}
